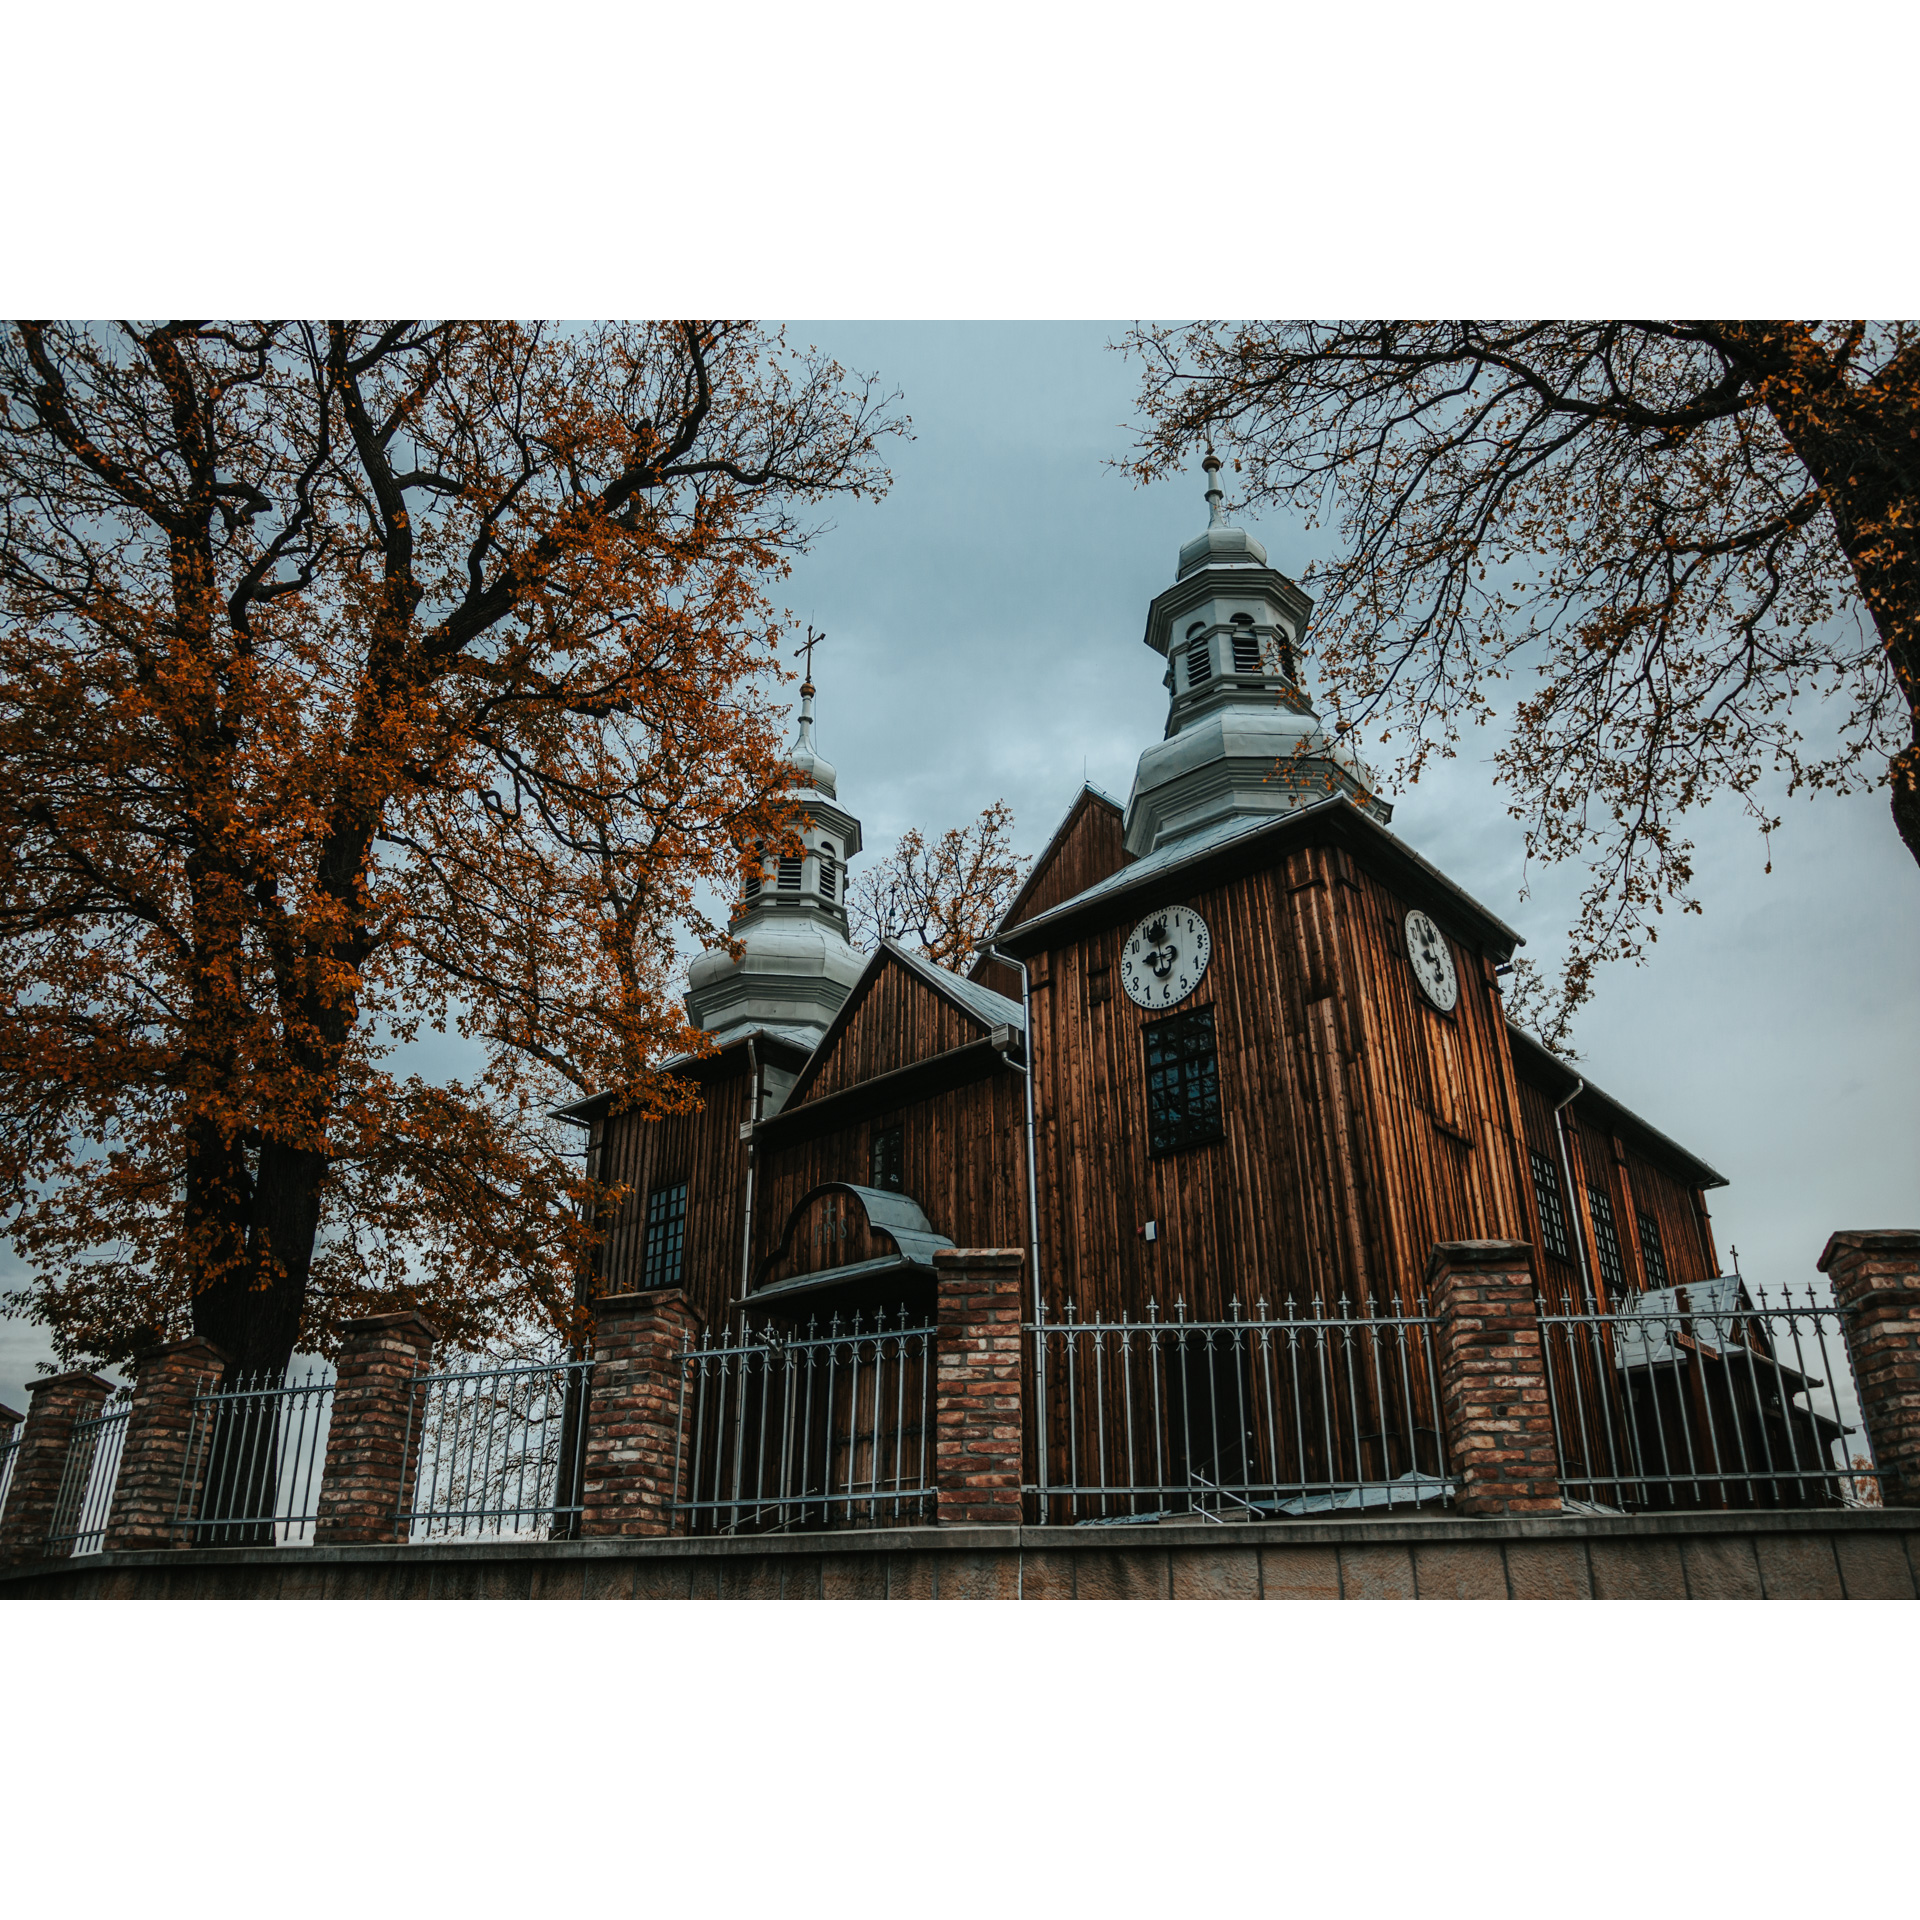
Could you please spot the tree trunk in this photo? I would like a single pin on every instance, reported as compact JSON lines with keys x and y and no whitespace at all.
{"x":1862,"y":447}
{"x":254,"y":1312}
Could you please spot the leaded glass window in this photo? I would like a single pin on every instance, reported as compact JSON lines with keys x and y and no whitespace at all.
{"x":666,"y":1236}
{"x":1183,"y":1082}
{"x":889,"y":1159}
{"x":1653,"y":1251}
{"x":1553,"y":1216}
{"x":1606,"y":1243}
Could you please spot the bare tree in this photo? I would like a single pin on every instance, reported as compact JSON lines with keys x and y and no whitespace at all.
{"x":944,"y":898}
{"x":1678,"y":536}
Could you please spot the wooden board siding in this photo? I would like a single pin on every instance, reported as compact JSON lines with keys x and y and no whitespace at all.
{"x":895,"y":1019}
{"x":1634,"y":1182}
{"x":705,"y":1150}
{"x":963,"y":1163}
{"x":1356,"y":1134}
{"x":1088,"y":845}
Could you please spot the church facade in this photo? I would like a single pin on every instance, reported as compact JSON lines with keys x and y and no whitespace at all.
{"x":1235,"y":1051}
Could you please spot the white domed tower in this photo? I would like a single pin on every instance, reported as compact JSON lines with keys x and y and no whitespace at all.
{"x":1242,"y":740}
{"x":797,"y":966}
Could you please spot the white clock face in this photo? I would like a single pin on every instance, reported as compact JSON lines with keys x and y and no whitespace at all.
{"x":1432,"y":961}
{"x":1164,"y":957}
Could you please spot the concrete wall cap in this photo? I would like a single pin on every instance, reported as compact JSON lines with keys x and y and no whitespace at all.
{"x":177,"y":1349}
{"x":1479,"y":1253}
{"x":391,"y":1323}
{"x":623,"y":1306}
{"x":69,"y":1380}
{"x":998,"y":1258}
{"x":1870,"y":1240}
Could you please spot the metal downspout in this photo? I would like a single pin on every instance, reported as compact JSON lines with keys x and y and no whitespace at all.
{"x":1573,"y":1197}
{"x":753,"y":1154}
{"x":1033,"y":1159}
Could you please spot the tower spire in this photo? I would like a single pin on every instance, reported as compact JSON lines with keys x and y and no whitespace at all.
{"x":1216,"y":514}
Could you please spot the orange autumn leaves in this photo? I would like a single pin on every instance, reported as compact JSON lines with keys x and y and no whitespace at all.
{"x":359,"y":680}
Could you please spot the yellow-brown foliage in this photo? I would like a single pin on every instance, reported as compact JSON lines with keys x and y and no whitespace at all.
{"x":359,"y":680}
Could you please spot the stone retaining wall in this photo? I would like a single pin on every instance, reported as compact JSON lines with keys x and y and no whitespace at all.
{"x":1785,"y":1556}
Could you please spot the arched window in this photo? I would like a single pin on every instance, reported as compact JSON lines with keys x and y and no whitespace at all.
{"x":829,"y":871}
{"x":1246,"y":645}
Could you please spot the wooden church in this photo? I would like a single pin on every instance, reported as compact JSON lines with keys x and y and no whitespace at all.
{"x":1234,"y":1045}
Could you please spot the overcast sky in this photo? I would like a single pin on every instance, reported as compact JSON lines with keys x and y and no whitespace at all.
{"x":984,"y":627}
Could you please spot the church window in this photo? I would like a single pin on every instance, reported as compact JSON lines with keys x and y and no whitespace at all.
{"x":1183,"y":1082}
{"x":829,"y":871}
{"x":1553,"y":1216}
{"x":889,"y":1159}
{"x":1246,"y":645}
{"x":666,"y":1236}
{"x":1653,"y":1251}
{"x":1606,"y":1243}
{"x":789,"y":875}
{"x":752,"y":887}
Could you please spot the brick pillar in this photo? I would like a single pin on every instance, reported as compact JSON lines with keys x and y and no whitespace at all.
{"x":630,"y":1481}
{"x":52,"y":1408}
{"x":1493,"y":1377}
{"x":1876,"y":1284}
{"x":976,"y":1403}
{"x":159,"y":1423}
{"x":373,"y":1443}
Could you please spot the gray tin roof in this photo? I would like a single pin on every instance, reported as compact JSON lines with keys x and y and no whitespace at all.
{"x":989,"y":1008}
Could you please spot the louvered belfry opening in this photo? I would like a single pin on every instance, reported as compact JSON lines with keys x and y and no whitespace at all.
{"x":789,"y":874}
{"x":1246,"y":646}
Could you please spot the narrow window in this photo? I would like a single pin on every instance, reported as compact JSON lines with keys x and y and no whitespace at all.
{"x":1553,"y":1216}
{"x":829,"y":871}
{"x":1653,"y":1251}
{"x":752,"y":888}
{"x":889,"y":1160}
{"x":1183,"y":1082}
{"x":666,"y":1236}
{"x":1606,"y":1243}
{"x":1246,"y":645}
{"x":789,"y":875}
{"x":1199,"y":665}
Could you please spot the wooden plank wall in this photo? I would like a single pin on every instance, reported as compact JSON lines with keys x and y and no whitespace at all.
{"x":964,"y":1164}
{"x":898,"y":1020}
{"x":1091,"y":848}
{"x":1361,"y":1126}
{"x":706,"y":1151}
{"x":1601,"y":1159}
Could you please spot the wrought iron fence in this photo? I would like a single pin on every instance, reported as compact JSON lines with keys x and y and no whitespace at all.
{"x":1705,"y":1396}
{"x":831,"y":1427}
{"x":1319,"y":1409}
{"x":256,"y":1452}
{"x":500,"y":1448}
{"x":85,"y":1498}
{"x":9,"y":1453}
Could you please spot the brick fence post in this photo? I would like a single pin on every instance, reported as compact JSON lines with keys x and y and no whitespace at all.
{"x":158,"y":1431}
{"x":635,"y":1466}
{"x":1876,"y":1284}
{"x":976,"y":1399}
{"x":53,"y":1407}
{"x":373,"y":1443}
{"x":1493,"y":1377}
{"x":159,"y":1427}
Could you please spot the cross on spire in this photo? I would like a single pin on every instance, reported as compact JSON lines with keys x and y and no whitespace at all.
{"x":812,"y":640}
